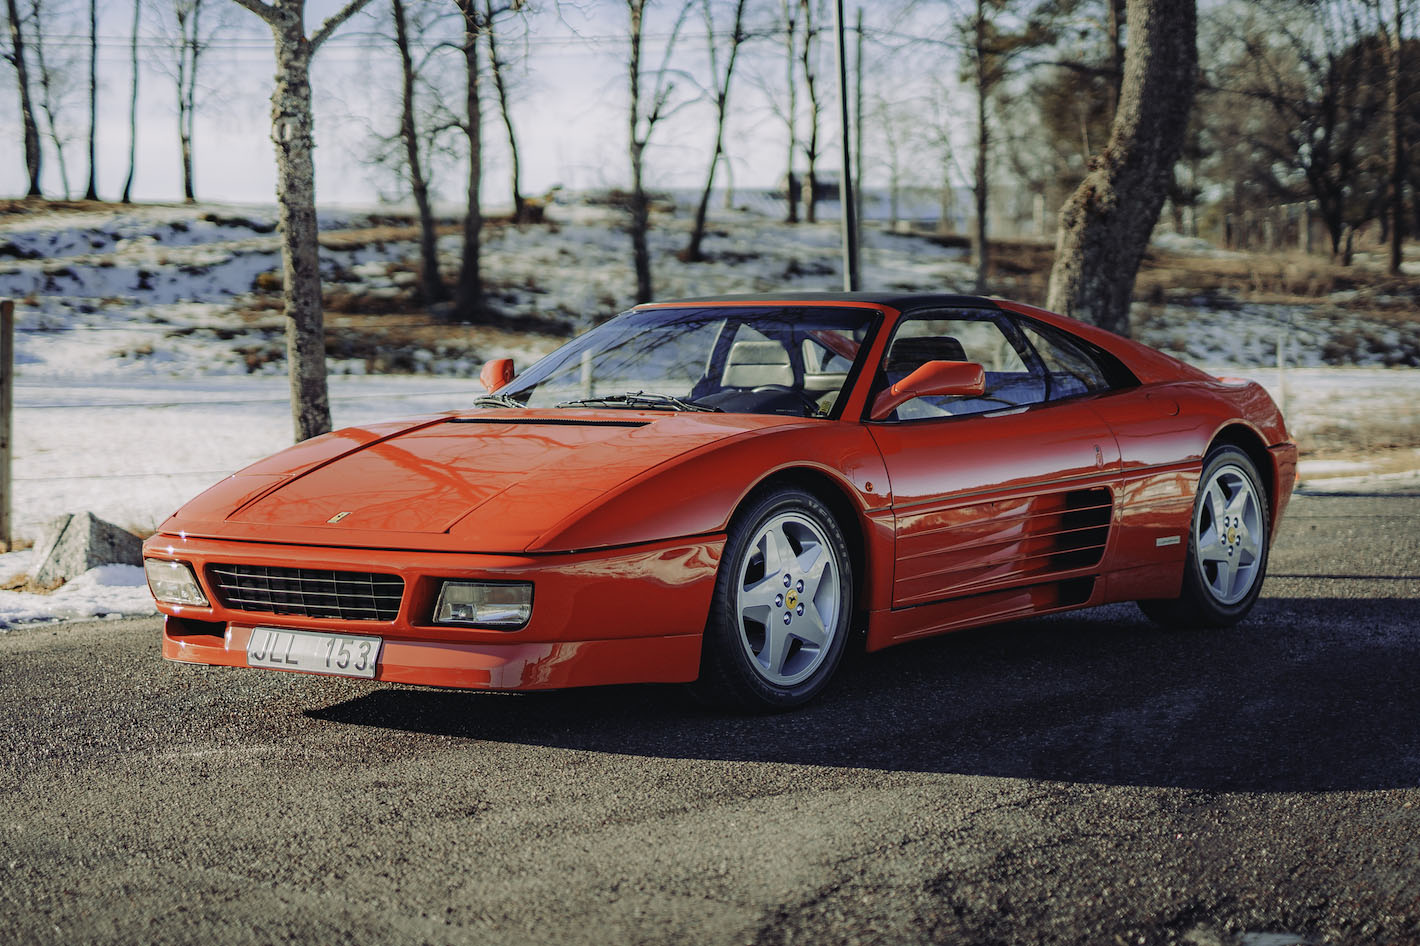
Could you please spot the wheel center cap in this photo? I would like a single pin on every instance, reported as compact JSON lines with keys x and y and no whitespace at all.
{"x":791,"y":601}
{"x":1232,"y":535}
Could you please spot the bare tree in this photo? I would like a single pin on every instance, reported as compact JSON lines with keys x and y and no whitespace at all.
{"x":894,"y":123}
{"x":791,"y":181}
{"x":132,"y":104}
{"x":51,"y":90}
{"x":1392,"y":31}
{"x":189,"y":43}
{"x":1304,"y":116}
{"x":92,"y":192}
{"x":16,"y":58}
{"x":468,"y":293}
{"x":808,"y":60}
{"x":430,"y":283}
{"x":641,"y":125}
{"x":992,"y":40}
{"x":292,"y":126}
{"x":498,"y":68}
{"x":1105,"y":225}
{"x":721,"y":92}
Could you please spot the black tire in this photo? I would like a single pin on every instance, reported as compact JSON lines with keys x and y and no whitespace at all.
{"x":735,"y":649}
{"x":1201,"y":604}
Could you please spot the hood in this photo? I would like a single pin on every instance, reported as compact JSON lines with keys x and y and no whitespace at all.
{"x":486,"y":481}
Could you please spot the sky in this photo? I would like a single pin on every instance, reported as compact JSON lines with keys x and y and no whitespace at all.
{"x":570,"y":103}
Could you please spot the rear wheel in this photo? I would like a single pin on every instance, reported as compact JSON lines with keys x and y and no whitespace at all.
{"x":782,"y":607}
{"x":1227,"y":546}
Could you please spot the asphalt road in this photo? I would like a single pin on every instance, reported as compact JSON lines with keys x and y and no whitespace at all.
{"x":1079,"y":779}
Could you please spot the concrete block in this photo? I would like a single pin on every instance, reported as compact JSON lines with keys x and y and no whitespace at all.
{"x":70,"y":545}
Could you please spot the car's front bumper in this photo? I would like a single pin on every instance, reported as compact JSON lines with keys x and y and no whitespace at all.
{"x":625,"y":615}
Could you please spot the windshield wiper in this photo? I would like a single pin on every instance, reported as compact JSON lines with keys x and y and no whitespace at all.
{"x":497,"y":400}
{"x":639,"y":399}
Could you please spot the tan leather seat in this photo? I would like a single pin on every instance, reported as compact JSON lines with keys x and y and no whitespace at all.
{"x":751,"y":364}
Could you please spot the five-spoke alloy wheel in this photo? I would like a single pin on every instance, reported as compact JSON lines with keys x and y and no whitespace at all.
{"x":1227,"y":545}
{"x":782,"y":608}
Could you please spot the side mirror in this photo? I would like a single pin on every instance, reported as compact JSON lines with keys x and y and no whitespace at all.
{"x":934,"y":379}
{"x":496,"y":373}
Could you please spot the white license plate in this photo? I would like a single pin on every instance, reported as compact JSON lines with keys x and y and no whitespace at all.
{"x":342,"y":654}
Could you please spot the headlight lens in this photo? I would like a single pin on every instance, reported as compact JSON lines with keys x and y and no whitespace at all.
{"x":504,"y":605}
{"x":173,"y":582}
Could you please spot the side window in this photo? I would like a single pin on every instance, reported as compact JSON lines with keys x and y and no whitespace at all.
{"x":1071,"y":370}
{"x":963,"y":336}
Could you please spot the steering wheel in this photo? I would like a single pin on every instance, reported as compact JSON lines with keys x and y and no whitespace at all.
{"x":809,"y":404}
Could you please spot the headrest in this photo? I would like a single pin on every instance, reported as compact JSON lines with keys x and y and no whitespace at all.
{"x":751,"y":364}
{"x":909,"y":354}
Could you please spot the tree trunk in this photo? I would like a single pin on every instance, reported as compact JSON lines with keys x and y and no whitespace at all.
{"x":692,"y":252}
{"x":791,"y":180}
{"x":520,"y":209}
{"x":132,"y":106}
{"x":430,"y":283}
{"x":17,"y":59}
{"x":46,"y":96}
{"x":1105,"y":225}
{"x":92,"y":192}
{"x":983,"y":147}
{"x":468,"y":294}
{"x":1396,"y":69}
{"x":291,"y":132}
{"x":811,"y":149}
{"x":188,"y":56}
{"x":1116,"y":57}
{"x":640,"y":209}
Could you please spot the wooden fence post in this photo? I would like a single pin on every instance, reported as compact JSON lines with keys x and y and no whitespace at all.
{"x":7,"y":404}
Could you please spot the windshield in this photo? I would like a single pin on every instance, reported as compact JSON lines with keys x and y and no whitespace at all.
{"x":744,"y":359}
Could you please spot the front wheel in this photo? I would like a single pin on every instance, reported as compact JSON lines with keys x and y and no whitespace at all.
{"x":782,"y":608}
{"x":1227,"y":546}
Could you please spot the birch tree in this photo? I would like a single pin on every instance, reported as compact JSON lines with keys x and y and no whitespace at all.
{"x":498,"y":66}
{"x":53,"y":84}
{"x":1105,"y":225}
{"x":92,"y":191}
{"x":292,"y":127}
{"x":641,"y":124}
{"x":431,"y":285}
{"x":132,"y":103}
{"x":720,"y":90}
{"x":791,"y":182}
{"x":189,"y":27}
{"x":808,"y":60}
{"x":16,"y":58}
{"x":468,"y":293}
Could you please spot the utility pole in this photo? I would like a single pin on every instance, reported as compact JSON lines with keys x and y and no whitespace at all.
{"x":858,"y":138}
{"x":7,"y":406}
{"x":845,"y":181}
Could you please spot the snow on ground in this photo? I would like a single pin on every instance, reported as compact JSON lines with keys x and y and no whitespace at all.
{"x":136,"y":386}
{"x":106,"y":591}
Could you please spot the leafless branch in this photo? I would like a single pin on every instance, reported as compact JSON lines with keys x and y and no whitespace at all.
{"x":332,"y":24}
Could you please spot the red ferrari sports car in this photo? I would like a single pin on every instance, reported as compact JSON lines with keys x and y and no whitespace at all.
{"x":726,"y":490}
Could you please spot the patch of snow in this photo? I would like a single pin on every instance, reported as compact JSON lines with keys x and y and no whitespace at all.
{"x":105,"y":591}
{"x":1192,"y":246}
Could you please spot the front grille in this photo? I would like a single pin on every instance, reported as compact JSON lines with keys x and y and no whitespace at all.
{"x":309,"y":592}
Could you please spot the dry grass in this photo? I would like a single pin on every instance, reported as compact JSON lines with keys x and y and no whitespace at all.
{"x":1023,"y":267}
